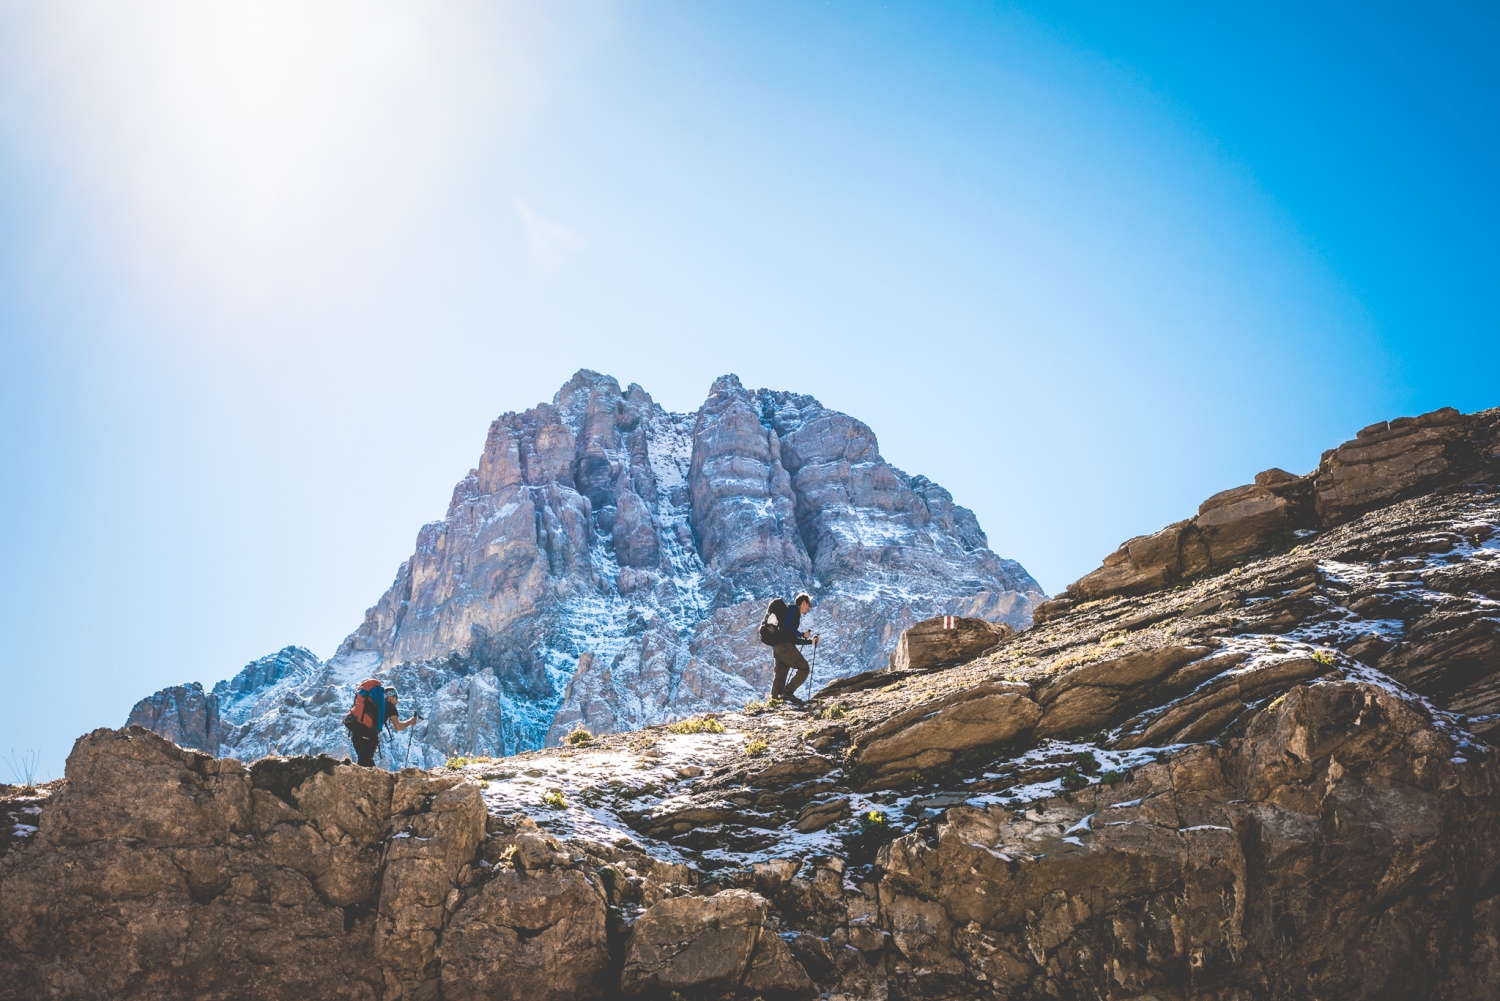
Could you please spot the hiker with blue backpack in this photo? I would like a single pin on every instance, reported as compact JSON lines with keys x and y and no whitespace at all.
{"x":779,"y":631}
{"x":374,"y":710}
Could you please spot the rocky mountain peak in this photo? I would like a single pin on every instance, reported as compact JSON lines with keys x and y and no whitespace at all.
{"x":606,"y":563}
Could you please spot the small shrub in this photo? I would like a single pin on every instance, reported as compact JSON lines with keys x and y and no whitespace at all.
{"x":756,"y":748}
{"x":1087,"y":763}
{"x":1072,"y":779}
{"x":579,"y":737}
{"x":553,"y":800}
{"x":1324,"y":657}
{"x":698,"y":724}
{"x":1111,"y":777}
{"x":874,"y":819}
{"x":456,"y":763}
{"x":835,"y":711}
{"x":755,"y":706}
{"x":23,"y":769}
{"x":1070,"y":660}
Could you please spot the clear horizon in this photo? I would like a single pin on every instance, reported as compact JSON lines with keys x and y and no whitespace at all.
{"x":267,"y":272}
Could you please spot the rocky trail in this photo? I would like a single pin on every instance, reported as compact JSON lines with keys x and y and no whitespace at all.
{"x":1248,"y":758}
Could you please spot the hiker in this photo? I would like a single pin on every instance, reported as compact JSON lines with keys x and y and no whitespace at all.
{"x":374,"y":709}
{"x":779,"y":630}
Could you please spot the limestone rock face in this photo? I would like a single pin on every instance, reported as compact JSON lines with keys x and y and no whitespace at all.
{"x":606,"y":564}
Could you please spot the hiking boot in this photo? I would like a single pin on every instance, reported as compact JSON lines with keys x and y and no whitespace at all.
{"x":799,"y":703}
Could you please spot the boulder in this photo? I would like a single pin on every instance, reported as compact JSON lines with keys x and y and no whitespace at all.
{"x":928,"y":736}
{"x":776,"y":972}
{"x":1238,"y":522}
{"x":699,"y":944}
{"x":528,"y":936}
{"x":944,"y":640}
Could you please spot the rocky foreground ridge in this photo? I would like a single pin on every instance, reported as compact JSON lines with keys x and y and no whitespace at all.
{"x":1268,"y":778}
{"x":606,"y":563}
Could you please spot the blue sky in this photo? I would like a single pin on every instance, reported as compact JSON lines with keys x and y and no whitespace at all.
{"x":268,"y":270}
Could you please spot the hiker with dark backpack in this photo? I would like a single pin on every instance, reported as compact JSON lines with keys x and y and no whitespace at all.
{"x":779,"y":631}
{"x":374,"y":710}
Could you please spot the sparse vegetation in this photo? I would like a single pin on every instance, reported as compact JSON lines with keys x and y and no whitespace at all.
{"x":835,"y":711}
{"x":1073,"y":779}
{"x":873,"y":819}
{"x":756,"y":748}
{"x":1071,"y":660}
{"x":755,"y":706}
{"x":456,"y":763}
{"x":697,"y":724}
{"x":553,"y":800}
{"x":578,"y":737}
{"x":1324,"y":657}
{"x":1110,"y":777}
{"x":23,"y":768}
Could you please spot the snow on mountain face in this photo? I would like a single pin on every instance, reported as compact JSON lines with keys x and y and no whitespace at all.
{"x":607,"y":564}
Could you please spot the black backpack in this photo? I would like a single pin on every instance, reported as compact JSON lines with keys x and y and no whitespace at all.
{"x":770,"y":626}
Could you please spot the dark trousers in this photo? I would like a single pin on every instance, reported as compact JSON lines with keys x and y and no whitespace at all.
{"x":365,"y":746}
{"x":788,"y":658}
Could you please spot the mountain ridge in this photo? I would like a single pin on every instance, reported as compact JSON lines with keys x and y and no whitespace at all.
{"x":604,"y":564}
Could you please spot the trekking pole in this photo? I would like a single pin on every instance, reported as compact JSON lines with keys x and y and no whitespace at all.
{"x":417,"y":714}
{"x":812,"y":665}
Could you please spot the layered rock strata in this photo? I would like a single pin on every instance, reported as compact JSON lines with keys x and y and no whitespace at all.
{"x":1385,"y":462}
{"x":1273,"y":781}
{"x":606,"y":564}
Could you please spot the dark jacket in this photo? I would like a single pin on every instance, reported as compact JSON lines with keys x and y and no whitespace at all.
{"x":792,"y":627}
